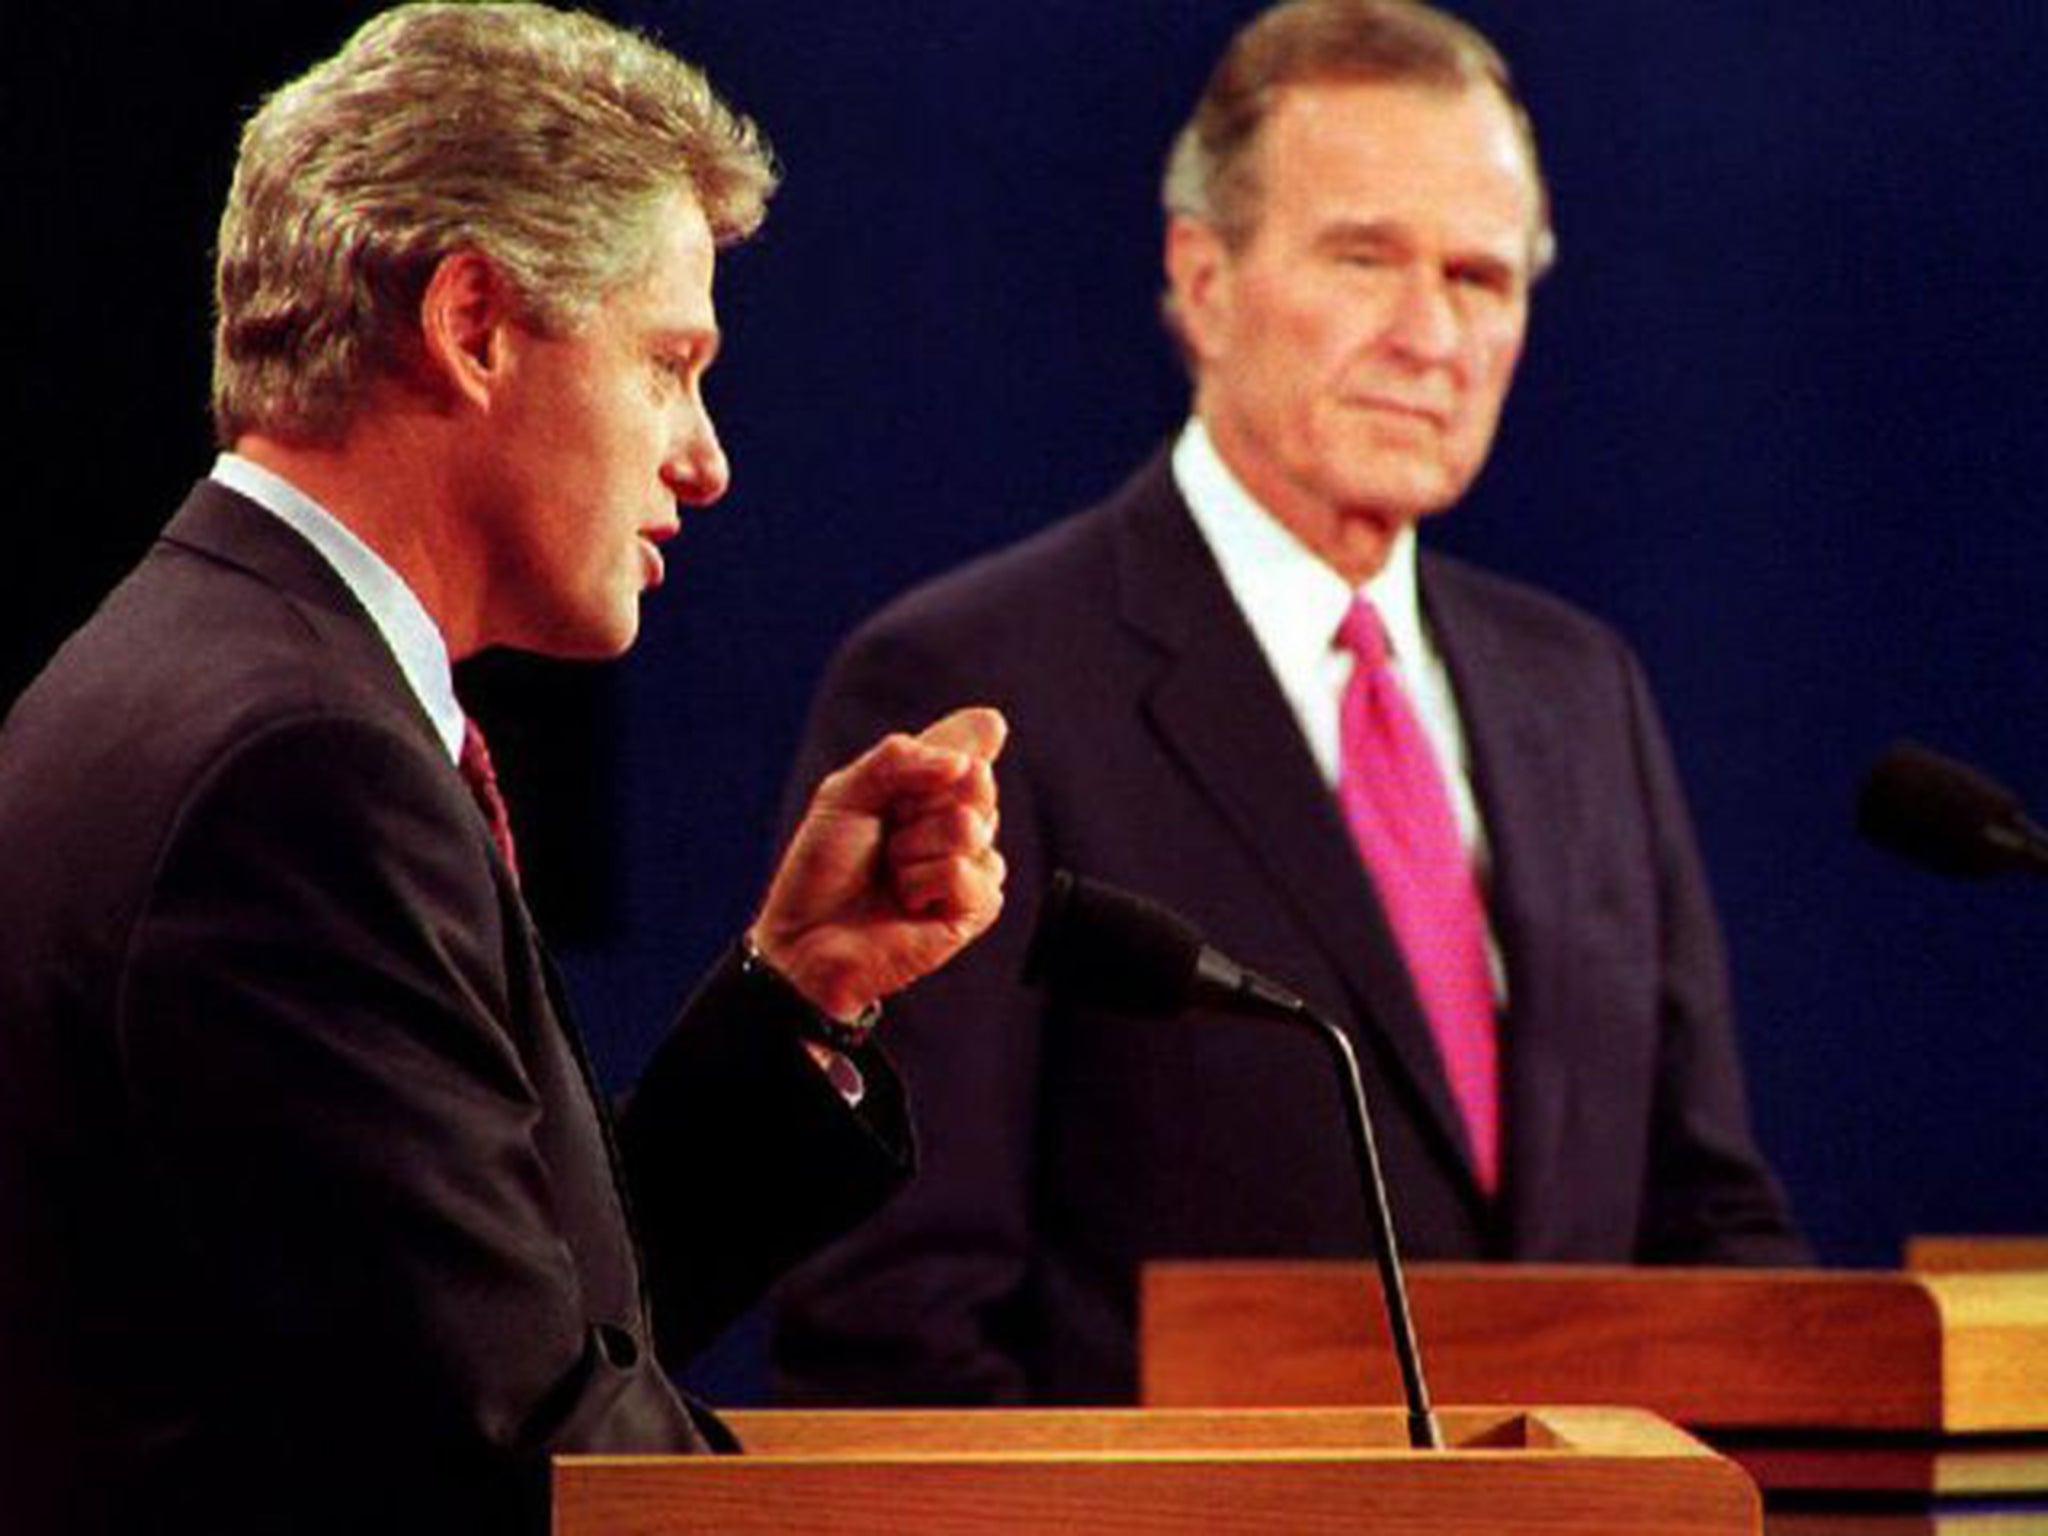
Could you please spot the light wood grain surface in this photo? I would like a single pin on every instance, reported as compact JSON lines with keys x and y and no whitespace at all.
{"x":1711,"y":1349}
{"x":992,"y":1473}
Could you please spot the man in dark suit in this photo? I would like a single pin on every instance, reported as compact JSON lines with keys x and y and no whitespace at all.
{"x":313,"y":1217}
{"x":1239,"y":688}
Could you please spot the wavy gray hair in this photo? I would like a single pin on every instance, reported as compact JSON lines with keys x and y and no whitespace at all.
{"x":1212,"y":172}
{"x":545,"y":140}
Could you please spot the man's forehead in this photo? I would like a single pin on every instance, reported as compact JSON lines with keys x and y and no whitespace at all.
{"x":674,"y":288}
{"x":1379,"y":146}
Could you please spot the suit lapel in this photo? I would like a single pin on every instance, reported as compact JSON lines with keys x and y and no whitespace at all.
{"x":1219,"y":712}
{"x":222,"y":525}
{"x":1521,"y":776}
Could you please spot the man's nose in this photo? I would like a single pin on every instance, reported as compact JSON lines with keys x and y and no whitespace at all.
{"x":696,"y":472}
{"x":1425,"y":325}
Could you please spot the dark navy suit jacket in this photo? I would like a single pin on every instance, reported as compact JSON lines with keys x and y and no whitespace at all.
{"x":1152,"y":747}
{"x":311,"y":1216}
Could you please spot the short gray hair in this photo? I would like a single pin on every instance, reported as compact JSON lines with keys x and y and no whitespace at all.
{"x":1212,"y":173}
{"x":545,"y":140}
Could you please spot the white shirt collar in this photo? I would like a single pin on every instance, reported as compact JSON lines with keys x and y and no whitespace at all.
{"x":1291,"y":598}
{"x":408,"y":629}
{"x":1294,"y":604}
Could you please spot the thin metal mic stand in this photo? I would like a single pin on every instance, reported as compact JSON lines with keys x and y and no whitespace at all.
{"x":1127,"y":953}
{"x":1424,"y":1433}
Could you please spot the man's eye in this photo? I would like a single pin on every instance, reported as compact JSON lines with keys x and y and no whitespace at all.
{"x":1495,"y":281}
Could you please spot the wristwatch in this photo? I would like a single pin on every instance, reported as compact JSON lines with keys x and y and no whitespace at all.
{"x":811,"y":1021}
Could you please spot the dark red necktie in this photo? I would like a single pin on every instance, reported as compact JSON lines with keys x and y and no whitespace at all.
{"x":482,"y":780}
{"x":1399,"y":809}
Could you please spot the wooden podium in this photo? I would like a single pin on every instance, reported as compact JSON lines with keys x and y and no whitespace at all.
{"x":1919,"y":1399}
{"x":1103,"y":1472}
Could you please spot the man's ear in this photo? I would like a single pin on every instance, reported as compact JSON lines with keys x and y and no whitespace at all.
{"x":465,"y":314}
{"x":1199,"y":273}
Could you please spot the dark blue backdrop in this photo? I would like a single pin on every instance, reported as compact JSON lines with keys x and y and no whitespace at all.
{"x":1779,"y":420}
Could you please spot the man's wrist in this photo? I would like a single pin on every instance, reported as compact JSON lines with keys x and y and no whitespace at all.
{"x":812,"y":1022}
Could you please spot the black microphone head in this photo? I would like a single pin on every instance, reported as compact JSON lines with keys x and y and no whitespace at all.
{"x":1939,"y":813}
{"x":1113,"y":949}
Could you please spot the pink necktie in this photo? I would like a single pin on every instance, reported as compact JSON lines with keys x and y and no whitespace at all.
{"x":482,"y":780}
{"x":1399,"y":809}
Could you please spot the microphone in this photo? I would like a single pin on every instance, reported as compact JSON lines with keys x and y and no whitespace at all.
{"x":1121,"y":951}
{"x":1114,"y":949}
{"x":1947,"y":817}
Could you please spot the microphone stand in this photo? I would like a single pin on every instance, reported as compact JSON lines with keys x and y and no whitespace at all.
{"x":1424,"y":1433}
{"x":1124,"y":952}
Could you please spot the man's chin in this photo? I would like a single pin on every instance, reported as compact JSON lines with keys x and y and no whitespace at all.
{"x":1404,"y":498}
{"x":614,"y":644}
{"x":604,"y":638}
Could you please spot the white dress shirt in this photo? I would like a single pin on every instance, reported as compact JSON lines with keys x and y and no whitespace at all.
{"x":1294,"y":603}
{"x":408,"y":630}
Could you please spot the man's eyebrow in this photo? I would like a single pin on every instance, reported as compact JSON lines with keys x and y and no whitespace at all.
{"x":1362,"y":232}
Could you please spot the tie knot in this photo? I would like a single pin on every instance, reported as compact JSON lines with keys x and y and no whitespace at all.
{"x":1362,"y":634}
